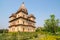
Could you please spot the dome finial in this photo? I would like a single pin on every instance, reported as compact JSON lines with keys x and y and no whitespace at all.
{"x":23,"y":3}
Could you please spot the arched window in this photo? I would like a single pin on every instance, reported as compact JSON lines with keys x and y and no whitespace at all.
{"x":23,"y":22}
{"x":17,"y":16}
{"x":18,"y":21}
{"x":23,"y":15}
{"x":23,"y":29}
{"x":18,"y":29}
{"x":28,"y":29}
{"x":13,"y":29}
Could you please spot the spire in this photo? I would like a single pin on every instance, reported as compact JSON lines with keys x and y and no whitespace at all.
{"x":23,"y":8}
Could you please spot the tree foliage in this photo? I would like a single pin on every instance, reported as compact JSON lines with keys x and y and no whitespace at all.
{"x":3,"y":30}
{"x":51,"y":24}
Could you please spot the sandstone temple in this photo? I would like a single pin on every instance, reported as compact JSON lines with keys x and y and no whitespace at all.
{"x":21,"y":21}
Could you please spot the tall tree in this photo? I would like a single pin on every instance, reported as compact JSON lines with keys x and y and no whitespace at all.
{"x":51,"y":24}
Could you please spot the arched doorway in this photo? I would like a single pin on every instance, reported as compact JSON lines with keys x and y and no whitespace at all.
{"x":23,"y":29}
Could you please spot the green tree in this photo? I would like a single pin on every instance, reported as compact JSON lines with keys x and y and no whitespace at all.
{"x":51,"y":24}
{"x":38,"y":29}
{"x":58,"y":29}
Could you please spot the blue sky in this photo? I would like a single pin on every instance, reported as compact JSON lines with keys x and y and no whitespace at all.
{"x":40,"y":8}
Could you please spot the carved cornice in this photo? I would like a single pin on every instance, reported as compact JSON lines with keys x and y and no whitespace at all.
{"x":22,"y":25}
{"x":23,"y":18}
